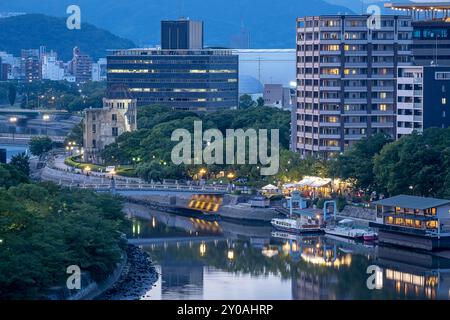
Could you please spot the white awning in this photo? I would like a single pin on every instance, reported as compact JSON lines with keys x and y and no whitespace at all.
{"x":314,"y":182}
{"x":270,"y":187}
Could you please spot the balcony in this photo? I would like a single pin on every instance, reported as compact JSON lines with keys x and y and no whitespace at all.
{"x":355,"y":125}
{"x":382,"y":124}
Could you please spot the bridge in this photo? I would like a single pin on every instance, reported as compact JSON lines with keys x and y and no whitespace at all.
{"x":126,"y":186}
{"x":24,"y":139}
{"x":17,"y":111}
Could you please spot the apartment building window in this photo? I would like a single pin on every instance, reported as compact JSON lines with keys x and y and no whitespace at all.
{"x":94,"y":128}
{"x":94,"y":143}
{"x":114,"y":117}
{"x":330,"y":71}
{"x":444,"y":101}
{"x":115,"y":131}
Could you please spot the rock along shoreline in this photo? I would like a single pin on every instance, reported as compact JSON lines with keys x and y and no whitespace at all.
{"x":137,"y":279}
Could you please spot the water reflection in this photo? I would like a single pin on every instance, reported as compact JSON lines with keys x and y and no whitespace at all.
{"x":252,"y":262}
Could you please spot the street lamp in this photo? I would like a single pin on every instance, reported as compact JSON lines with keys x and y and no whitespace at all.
{"x":13,"y":121}
{"x":46,"y":118}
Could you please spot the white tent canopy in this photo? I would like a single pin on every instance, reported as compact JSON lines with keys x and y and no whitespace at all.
{"x":313,"y":182}
{"x":270,"y":187}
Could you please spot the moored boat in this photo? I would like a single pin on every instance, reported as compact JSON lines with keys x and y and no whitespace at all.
{"x":346,"y":229}
{"x":299,"y":225}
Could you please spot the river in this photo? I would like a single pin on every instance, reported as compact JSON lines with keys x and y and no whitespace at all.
{"x":206,"y":259}
{"x":12,"y":150}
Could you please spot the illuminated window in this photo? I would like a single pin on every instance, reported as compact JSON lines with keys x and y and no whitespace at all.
{"x":390,"y":220}
{"x":383,"y":107}
{"x":418,"y":223}
{"x":444,"y":100}
{"x":431,"y":224}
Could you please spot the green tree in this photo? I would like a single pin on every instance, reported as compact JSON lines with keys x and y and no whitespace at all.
{"x":356,"y":164}
{"x":415,"y":164}
{"x":246,"y":101}
{"x":260,"y":102}
{"x":40,"y":145}
{"x":12,"y":93}
{"x":22,"y":163}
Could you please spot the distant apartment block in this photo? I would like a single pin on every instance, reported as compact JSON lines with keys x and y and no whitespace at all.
{"x":423,"y":98}
{"x":102,"y":126}
{"x":80,"y":66}
{"x":346,"y":80}
{"x":275,"y":95}
{"x":181,"y":34}
{"x":99,"y":70}
{"x":31,"y":65}
{"x":52,"y":69}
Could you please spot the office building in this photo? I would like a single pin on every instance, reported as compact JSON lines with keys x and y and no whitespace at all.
{"x":102,"y":126}
{"x":431,"y":36}
{"x":198,"y":80}
{"x":346,"y":80}
{"x":423,"y":98}
{"x":181,"y":34}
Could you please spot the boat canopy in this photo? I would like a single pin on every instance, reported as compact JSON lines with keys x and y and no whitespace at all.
{"x":346,"y":221}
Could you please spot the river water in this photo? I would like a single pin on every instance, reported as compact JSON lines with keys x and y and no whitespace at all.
{"x":12,"y":150}
{"x":207,"y":259}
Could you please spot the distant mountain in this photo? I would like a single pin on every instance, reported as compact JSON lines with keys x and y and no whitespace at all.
{"x":33,"y":30}
{"x":271,"y":23}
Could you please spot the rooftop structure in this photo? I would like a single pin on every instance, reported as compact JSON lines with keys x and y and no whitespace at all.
{"x":422,"y":10}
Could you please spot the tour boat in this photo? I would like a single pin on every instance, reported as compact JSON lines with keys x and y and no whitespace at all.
{"x":299,"y":225}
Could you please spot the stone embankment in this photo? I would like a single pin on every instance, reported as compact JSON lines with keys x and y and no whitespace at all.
{"x":137,"y":279}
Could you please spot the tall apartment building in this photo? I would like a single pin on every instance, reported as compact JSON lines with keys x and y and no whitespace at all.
{"x":423,"y":98}
{"x":80,"y":66}
{"x":181,"y":34}
{"x":30,"y":65}
{"x":346,"y":76}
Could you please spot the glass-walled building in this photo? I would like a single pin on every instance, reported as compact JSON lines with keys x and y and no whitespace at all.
{"x":197,"y":80}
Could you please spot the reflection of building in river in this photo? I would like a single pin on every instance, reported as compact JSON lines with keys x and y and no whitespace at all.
{"x":315,"y":252}
{"x":311,"y":286}
{"x":184,"y":278}
{"x":414,"y":274}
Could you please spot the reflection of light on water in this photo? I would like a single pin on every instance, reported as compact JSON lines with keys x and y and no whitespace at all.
{"x":378,"y":279}
{"x":318,"y":260}
{"x":405,"y":277}
{"x":269,"y":252}
{"x":408,"y":280}
{"x":136,"y":228}
{"x":202,"y":249}
{"x":153,"y":222}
